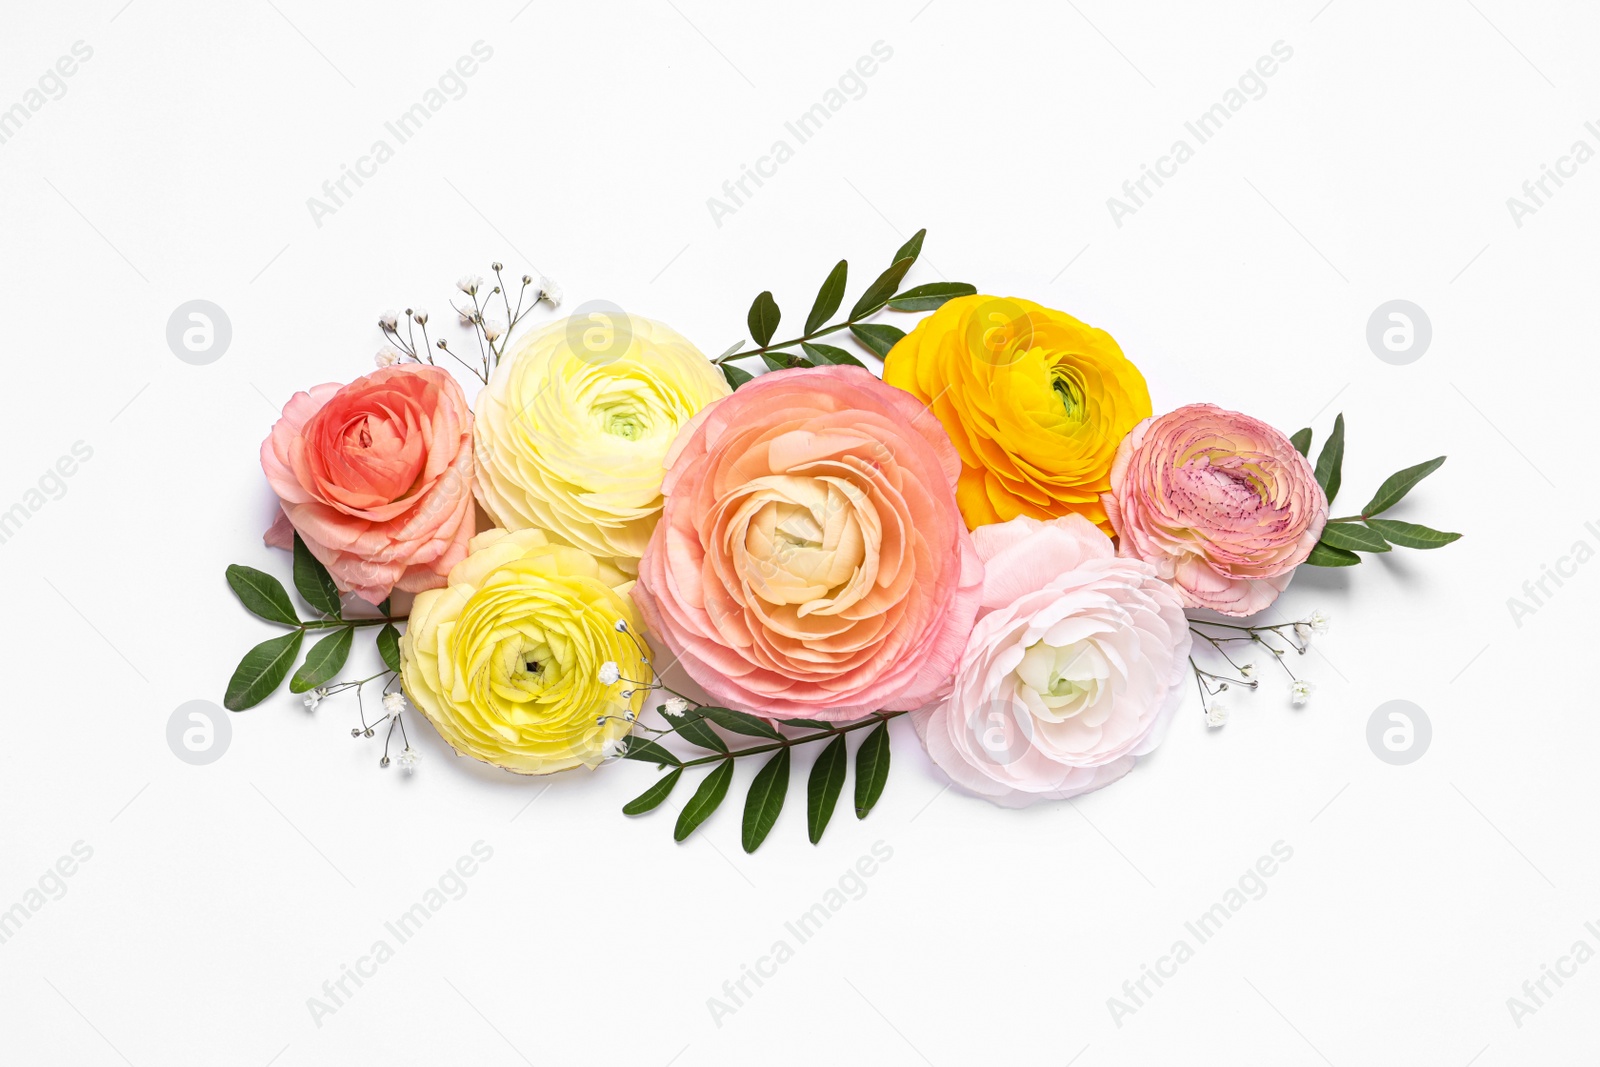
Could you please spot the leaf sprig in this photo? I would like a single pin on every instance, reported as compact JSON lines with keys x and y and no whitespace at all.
{"x":769,"y":789}
{"x":876,"y":337}
{"x":1344,"y":537}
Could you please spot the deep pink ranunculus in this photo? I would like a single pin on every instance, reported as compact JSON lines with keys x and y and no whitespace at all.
{"x":376,"y":477}
{"x":1219,"y":502}
{"x":810,"y":561}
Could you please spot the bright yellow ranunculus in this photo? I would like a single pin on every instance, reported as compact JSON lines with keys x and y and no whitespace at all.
{"x":572,"y":429}
{"x":1035,"y":401}
{"x":506,"y":660}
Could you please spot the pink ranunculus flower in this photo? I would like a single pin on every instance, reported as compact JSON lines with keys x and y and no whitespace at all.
{"x":1220,"y":503}
{"x":1074,"y":668}
{"x":810,"y":561}
{"x":376,"y":477}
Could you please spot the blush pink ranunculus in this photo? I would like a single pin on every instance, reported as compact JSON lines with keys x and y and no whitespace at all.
{"x":1220,"y":503}
{"x":376,"y":477}
{"x":1073,"y":671}
{"x":810,"y":561}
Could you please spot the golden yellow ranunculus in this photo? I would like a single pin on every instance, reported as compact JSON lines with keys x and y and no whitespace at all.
{"x":506,"y":660}
{"x":1035,"y":401}
{"x":573,"y":427}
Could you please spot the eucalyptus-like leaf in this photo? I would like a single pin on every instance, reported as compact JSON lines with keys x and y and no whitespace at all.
{"x":931,"y":296}
{"x":389,"y":646}
{"x":325,"y":660}
{"x":741,"y":722}
{"x":732,"y":349}
{"x":1397,"y":485}
{"x":262,"y":670}
{"x":1301,"y":439}
{"x":872,"y":768}
{"x":823,"y":354}
{"x":825,"y":784}
{"x":313,"y":581}
{"x":828,"y":297}
{"x":879,"y":292}
{"x":809,"y":724}
{"x":651,"y":798}
{"x":647,"y":751}
{"x":878,"y":336}
{"x":1324,"y":555}
{"x":1354,"y":537}
{"x":705,"y":800}
{"x":735,"y":376}
{"x":1331,"y":459}
{"x":1411,"y":534}
{"x":912,"y":248}
{"x":694,"y":730}
{"x":763,"y":318}
{"x":262,"y":594}
{"x":784,"y":360}
{"x":765,"y":800}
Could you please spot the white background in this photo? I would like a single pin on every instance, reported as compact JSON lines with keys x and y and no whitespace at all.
{"x":177,"y":165}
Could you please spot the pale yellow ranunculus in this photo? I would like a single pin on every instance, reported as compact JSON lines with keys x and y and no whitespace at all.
{"x":506,"y":660}
{"x":573,"y":428}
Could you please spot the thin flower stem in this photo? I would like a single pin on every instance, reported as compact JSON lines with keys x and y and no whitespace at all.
{"x":334,"y":624}
{"x":774,"y":346}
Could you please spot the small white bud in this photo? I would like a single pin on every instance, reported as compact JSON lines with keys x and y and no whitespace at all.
{"x":386,"y":357}
{"x":609,"y":673}
{"x":550,"y":292}
{"x":469,"y":283}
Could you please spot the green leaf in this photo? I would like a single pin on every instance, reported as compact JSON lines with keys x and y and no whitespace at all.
{"x":808,"y":724}
{"x":389,"y":646}
{"x":1353,"y":537}
{"x":262,"y":594}
{"x":783,"y":360}
{"x":1412,"y":535}
{"x":823,"y":788}
{"x":325,"y":660}
{"x":821,"y":354}
{"x":694,"y":730}
{"x":647,"y":751}
{"x":1397,"y":485}
{"x":735,"y":376}
{"x":912,"y":248}
{"x":740,"y":722}
{"x":931,"y":296}
{"x":1327,"y":556}
{"x":765,"y":800}
{"x":383,"y":609}
{"x":705,"y":800}
{"x":1302,"y":441}
{"x":651,"y":798}
{"x":763,"y":318}
{"x":314,"y":582}
{"x":879,"y":292}
{"x":878,"y":336}
{"x":1331,"y":459}
{"x":828,"y":297}
{"x":872,"y":769}
{"x":262,"y":670}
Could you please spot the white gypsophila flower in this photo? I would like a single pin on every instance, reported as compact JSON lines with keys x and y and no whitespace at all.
{"x":389,"y":319}
{"x":1299,"y":691}
{"x":609,"y":672}
{"x":1319,"y":621}
{"x":467,"y":314}
{"x":550,"y":292}
{"x":421,"y":315}
{"x":676,"y":706}
{"x":314,"y":698}
{"x":493,"y":328}
{"x":1248,"y":670}
{"x":408,"y":760}
{"x":386,"y":357}
{"x":1302,"y":631}
{"x":1216,"y":714}
{"x":469,"y":283}
{"x":394,"y":703}
{"x":614,"y":748}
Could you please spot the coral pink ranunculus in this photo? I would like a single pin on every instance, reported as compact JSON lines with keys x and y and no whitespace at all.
{"x":376,"y":477}
{"x":1073,"y":670}
{"x":1220,"y":503}
{"x":810,"y":561}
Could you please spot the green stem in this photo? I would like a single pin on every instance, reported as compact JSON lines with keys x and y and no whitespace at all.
{"x":774,"y":346}
{"x":334,"y":624}
{"x":1350,"y":518}
{"x":789,"y":742}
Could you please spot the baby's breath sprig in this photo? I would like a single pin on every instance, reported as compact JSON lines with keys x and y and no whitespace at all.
{"x":490,"y":331}
{"x":1278,"y":640}
{"x":394,"y":705}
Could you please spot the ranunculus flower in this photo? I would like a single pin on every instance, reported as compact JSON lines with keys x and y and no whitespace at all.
{"x":1073,"y":670}
{"x":1221,"y":503}
{"x":810,"y":561}
{"x":1035,"y":401}
{"x":507,"y":660}
{"x":575,"y":423}
{"x":376,"y":476}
